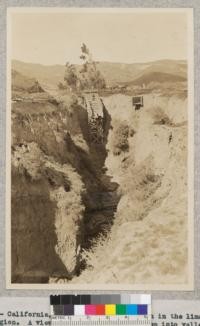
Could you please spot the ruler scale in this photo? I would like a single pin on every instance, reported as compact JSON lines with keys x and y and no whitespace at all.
{"x":101,"y":310}
{"x":91,"y":320}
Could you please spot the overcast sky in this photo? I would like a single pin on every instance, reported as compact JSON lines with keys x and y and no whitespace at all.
{"x":54,"y":38}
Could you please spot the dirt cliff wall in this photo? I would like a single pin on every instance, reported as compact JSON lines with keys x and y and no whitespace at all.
{"x":54,"y":172}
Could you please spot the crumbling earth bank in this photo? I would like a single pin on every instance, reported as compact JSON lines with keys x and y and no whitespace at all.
{"x":56,"y":174}
{"x":131,"y":203}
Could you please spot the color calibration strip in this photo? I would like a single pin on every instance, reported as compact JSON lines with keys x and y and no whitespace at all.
{"x":101,"y":309}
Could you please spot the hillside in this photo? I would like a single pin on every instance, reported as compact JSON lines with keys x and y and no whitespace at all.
{"x":22,"y":83}
{"x":114,"y":73}
{"x":117,"y":73}
{"x":156,"y":77}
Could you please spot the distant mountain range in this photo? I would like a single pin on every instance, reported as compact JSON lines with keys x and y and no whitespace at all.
{"x":128,"y":73}
{"x":155,"y":77}
{"x":114,"y":73}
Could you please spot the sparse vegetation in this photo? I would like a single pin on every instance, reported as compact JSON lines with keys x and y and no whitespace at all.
{"x":22,"y":83}
{"x":120,"y":138}
{"x":160,"y":117}
{"x":71,"y":76}
{"x":61,"y":86}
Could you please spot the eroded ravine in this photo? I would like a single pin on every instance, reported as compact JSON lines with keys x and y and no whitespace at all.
{"x":147,"y":183}
{"x":70,"y":188}
{"x":100,"y":200}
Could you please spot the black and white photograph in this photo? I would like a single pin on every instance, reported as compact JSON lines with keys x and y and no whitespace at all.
{"x":100,"y":149}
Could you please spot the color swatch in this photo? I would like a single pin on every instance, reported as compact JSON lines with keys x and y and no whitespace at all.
{"x":95,"y":310}
{"x":100,"y":305}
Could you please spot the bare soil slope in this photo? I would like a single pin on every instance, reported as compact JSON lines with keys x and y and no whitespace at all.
{"x":148,"y":241}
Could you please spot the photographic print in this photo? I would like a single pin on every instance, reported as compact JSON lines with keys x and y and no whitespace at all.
{"x":100,"y":149}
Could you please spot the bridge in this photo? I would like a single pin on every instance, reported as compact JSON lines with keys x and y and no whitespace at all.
{"x":94,"y":107}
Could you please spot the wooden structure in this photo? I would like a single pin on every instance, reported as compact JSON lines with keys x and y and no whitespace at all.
{"x":94,"y":107}
{"x":137,"y":102}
